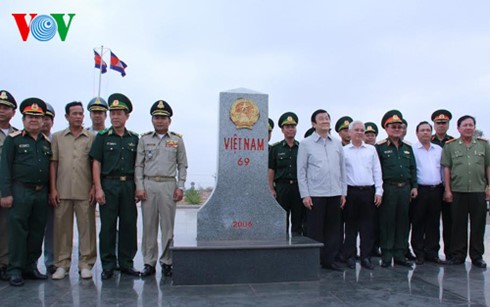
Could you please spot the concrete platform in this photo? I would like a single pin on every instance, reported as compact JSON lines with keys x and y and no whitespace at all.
{"x":426,"y":285}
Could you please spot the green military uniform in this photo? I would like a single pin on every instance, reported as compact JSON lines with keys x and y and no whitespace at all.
{"x":25,"y":176}
{"x":399,"y":177}
{"x":468,"y":165}
{"x":282,"y":160}
{"x":117,"y":156}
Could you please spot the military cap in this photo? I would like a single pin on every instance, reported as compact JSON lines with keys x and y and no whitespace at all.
{"x":343,"y":123}
{"x":97,"y":104}
{"x":49,"y":110}
{"x":371,"y":127}
{"x":7,"y":99}
{"x":162,"y":108}
{"x":391,"y":117}
{"x":33,"y":106}
{"x":270,"y":125}
{"x":288,"y":118}
{"x":119,"y":101}
{"x":441,"y":116}
{"x":404,"y":121}
{"x":309,"y":132}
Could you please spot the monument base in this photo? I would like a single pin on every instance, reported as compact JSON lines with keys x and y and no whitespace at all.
{"x":231,"y":262}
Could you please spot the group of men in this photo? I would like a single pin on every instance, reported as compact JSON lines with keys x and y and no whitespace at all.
{"x":334,"y":190}
{"x":47,"y":179}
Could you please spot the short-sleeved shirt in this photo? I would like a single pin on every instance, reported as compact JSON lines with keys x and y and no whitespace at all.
{"x":397,"y":163}
{"x":116,"y":154}
{"x":161,"y":157}
{"x":442,"y":142}
{"x":282,"y":159}
{"x":24,"y":160}
{"x":467,"y":164}
{"x":74,"y":176}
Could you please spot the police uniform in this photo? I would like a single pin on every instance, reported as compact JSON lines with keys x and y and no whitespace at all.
{"x":342,"y":124}
{"x":117,"y":155}
{"x":399,"y":177}
{"x":6,"y":99}
{"x":25,"y":177}
{"x":444,"y":116}
{"x":282,"y":161}
{"x":97,"y":104}
{"x":160,"y":159}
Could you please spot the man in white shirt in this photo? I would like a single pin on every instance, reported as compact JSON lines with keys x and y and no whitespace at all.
{"x":321,"y":180}
{"x":426,"y":208}
{"x":364,"y":193}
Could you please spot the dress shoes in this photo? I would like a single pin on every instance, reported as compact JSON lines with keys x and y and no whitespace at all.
{"x":51,"y":269}
{"x":385,"y":264}
{"x":130,"y":271}
{"x":403,"y":263}
{"x":366,"y":263}
{"x":434,"y":260}
{"x":419,"y":261}
{"x":333,"y":267}
{"x":148,"y":270}
{"x":351,"y":263}
{"x":35,"y":275}
{"x":86,"y":273}
{"x":453,"y":261}
{"x":3,"y":274}
{"x":410,"y":256}
{"x":167,"y":270}
{"x":480,"y":263}
{"x":106,"y":274}
{"x":59,"y":274}
{"x":16,"y":280}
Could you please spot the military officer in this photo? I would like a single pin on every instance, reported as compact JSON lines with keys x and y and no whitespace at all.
{"x":370,"y":133}
{"x":114,"y":153}
{"x":283,"y":178}
{"x":8,"y":105}
{"x":342,"y":128}
{"x":97,"y":107}
{"x":160,"y":159}
{"x":441,"y":119}
{"x":399,"y":185}
{"x":24,"y":187}
{"x":466,"y":162}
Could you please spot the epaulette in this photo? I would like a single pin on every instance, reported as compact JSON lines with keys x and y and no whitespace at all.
{"x":147,"y":133}
{"x":482,"y":139}
{"x":176,"y":134}
{"x":46,"y":137}
{"x":276,"y":143}
{"x":382,"y":142}
{"x":103,"y":131}
{"x":15,"y":133}
{"x":407,"y":143}
{"x":133,"y":133}
{"x":450,"y":141}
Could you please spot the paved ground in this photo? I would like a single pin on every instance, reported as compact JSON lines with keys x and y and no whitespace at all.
{"x":425,"y":285}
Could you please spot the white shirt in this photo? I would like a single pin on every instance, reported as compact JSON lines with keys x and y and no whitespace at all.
{"x":362,"y":166}
{"x":428,"y":162}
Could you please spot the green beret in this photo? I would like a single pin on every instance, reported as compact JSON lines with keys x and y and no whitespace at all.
{"x":162,"y":108}
{"x":391,"y":117}
{"x":288,"y":118}
{"x":270,"y":125}
{"x":7,"y":99}
{"x":118,"y":101}
{"x":441,"y":116}
{"x":343,"y":123}
{"x":97,"y":104}
{"x":33,"y":106}
{"x":371,"y":127}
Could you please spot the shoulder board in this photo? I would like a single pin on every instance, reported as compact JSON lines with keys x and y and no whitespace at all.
{"x":482,"y":139}
{"x":147,"y":133}
{"x":15,"y":129}
{"x":276,"y":143}
{"x":46,"y":137}
{"x":450,"y":137}
{"x":176,"y":134}
{"x":133,"y":133}
{"x":450,"y":141}
{"x":103,"y":131}
{"x":382,"y":142}
{"x":15,"y":133}
{"x":407,"y":143}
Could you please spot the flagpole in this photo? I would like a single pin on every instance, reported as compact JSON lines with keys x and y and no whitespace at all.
{"x":101,"y":65}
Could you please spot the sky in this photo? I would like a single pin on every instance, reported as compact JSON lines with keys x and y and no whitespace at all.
{"x":356,"y":58}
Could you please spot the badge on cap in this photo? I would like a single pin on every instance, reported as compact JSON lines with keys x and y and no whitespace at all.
{"x":4,"y":96}
{"x":160,"y":105}
{"x":395,"y":117}
{"x":115,"y":102}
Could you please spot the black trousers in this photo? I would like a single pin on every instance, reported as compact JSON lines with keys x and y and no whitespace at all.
{"x":475,"y":205}
{"x":447,"y":225}
{"x":324,"y":225}
{"x":426,"y":214}
{"x":290,"y":200}
{"x":359,"y":213}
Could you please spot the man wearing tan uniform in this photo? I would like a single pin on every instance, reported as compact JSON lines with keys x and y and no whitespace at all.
{"x":160,"y":157}
{"x":72,"y":192}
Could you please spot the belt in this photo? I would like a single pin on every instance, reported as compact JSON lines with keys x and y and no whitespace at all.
{"x":361,"y":187}
{"x":31,"y":186}
{"x":399,"y":184}
{"x":160,"y":178}
{"x":432,"y":187}
{"x":288,"y":181}
{"x":119,"y":178}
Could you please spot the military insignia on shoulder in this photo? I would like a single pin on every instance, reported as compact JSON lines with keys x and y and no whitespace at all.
{"x":46,"y":137}
{"x":15,"y":133}
{"x":276,"y":143}
{"x":133,"y":133}
{"x":103,"y":131}
{"x":176,"y":134}
{"x":450,"y":141}
{"x":382,"y":142}
{"x":482,"y":139}
{"x":146,"y":133}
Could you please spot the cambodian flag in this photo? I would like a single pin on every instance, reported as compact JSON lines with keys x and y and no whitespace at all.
{"x":117,"y":64}
{"x":98,"y":61}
